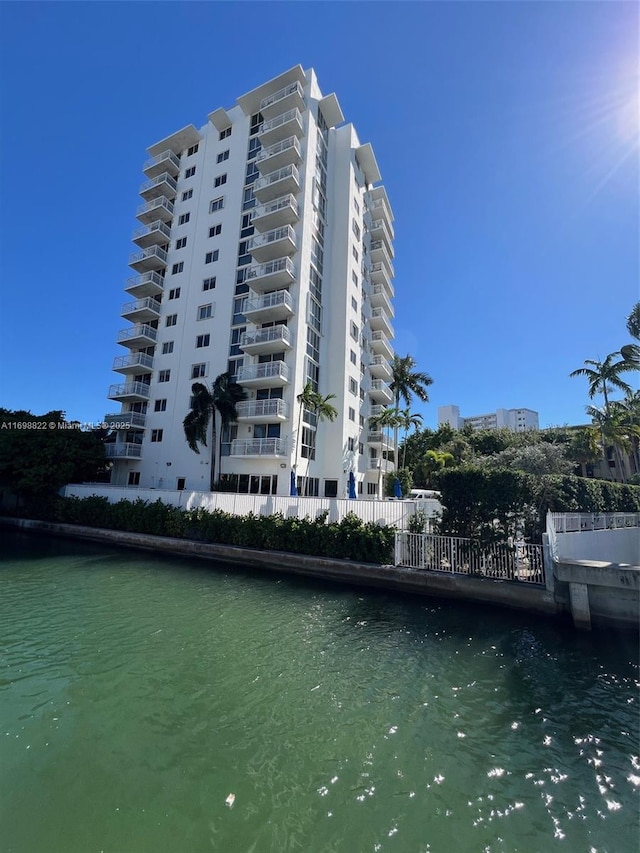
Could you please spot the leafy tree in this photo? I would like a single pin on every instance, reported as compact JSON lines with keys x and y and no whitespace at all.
{"x":406,"y":383}
{"x":207,"y":406}
{"x":36,"y":462}
{"x":584,"y":448}
{"x":541,"y":458}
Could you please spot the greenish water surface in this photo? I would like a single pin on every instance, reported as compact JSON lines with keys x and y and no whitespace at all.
{"x":138,"y":692}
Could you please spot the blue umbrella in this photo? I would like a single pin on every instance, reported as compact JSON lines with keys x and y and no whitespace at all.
{"x":352,"y":486}
{"x":294,"y":489}
{"x":397,"y":488}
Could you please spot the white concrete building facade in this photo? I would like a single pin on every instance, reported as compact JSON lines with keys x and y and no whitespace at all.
{"x":517,"y":420}
{"x":265,"y":249}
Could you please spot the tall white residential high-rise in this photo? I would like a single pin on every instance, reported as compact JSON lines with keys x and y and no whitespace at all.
{"x":265,"y":250}
{"x":517,"y":420}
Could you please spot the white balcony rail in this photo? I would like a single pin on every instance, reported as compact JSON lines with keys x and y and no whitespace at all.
{"x":137,"y":331}
{"x":281,"y":94}
{"x":164,"y":178}
{"x":380,"y":206}
{"x":136,"y":359}
{"x":150,"y":252}
{"x":517,"y":561}
{"x":377,"y":410}
{"x":275,"y":205}
{"x":279,"y":147}
{"x":379,"y":336}
{"x":284,"y":233}
{"x":278,"y":265}
{"x":279,"y":175}
{"x":154,"y":204}
{"x":270,"y":300}
{"x":115,"y":451}
{"x":150,"y":277}
{"x":140,"y":305}
{"x":263,"y":408}
{"x":126,"y":420}
{"x":263,"y":336}
{"x":258,"y":447}
{"x":569,"y":522}
{"x":277,"y":121}
{"x":263,"y":371}
{"x":158,"y":225}
{"x":139,"y":389}
{"x":379,"y":385}
{"x":380,"y":360}
{"x":161,"y":158}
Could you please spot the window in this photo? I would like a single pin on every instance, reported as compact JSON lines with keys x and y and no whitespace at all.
{"x":308,"y":446}
{"x":354,"y":278}
{"x":355,"y":228}
{"x":352,"y":414}
{"x":192,"y":150}
{"x":351,"y":444}
{"x":215,"y":230}
{"x":160,"y":406}
{"x":181,"y":243}
{"x":205,"y":311}
{"x":156,"y":434}
{"x":372,"y":488}
{"x":182,"y":220}
{"x":357,"y":206}
{"x":198,"y":370}
{"x":209,"y":283}
{"x":362,"y":395}
{"x":172,"y":319}
{"x":216,"y":204}
{"x":355,"y":254}
{"x":187,"y":195}
{"x":190,"y":172}
{"x":210,"y":257}
{"x":353,"y":386}
{"x":202,"y":341}
{"x":354,"y":303}
{"x":361,"y":420}
{"x":181,"y":483}
{"x":164,"y":376}
{"x":225,"y":133}
{"x":222,"y":156}
{"x":330,"y":488}
{"x":220,"y":180}
{"x":176,"y":268}
{"x":354,"y":331}
{"x":134,"y":478}
{"x":174,"y":293}
{"x":353,"y":357}
{"x":361,"y":448}
{"x":167,"y":347}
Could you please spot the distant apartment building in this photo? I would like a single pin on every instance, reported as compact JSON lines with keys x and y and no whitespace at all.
{"x":517,"y":420}
{"x":264,"y":249}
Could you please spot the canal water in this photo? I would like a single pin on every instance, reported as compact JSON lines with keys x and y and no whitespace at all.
{"x":138,"y":692}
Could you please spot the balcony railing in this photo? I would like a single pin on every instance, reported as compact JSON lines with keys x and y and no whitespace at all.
{"x":280,"y":211}
{"x":126,"y":420}
{"x":157,"y":208}
{"x":258,"y":372}
{"x":157,"y":231}
{"x":149,"y":283}
{"x":147,"y":306}
{"x":278,"y":121}
{"x":159,"y":186}
{"x":284,"y":235}
{"x":153,"y":255}
{"x":262,"y":336}
{"x":270,"y":300}
{"x":163,"y":162}
{"x":250,"y":409}
{"x":293,"y":90}
{"x":380,"y":318}
{"x":381,"y":386}
{"x":136,"y":359}
{"x":123,"y":451}
{"x":129,"y":389}
{"x":140,"y":330}
{"x":279,"y":271}
{"x":280,"y":175}
{"x":275,"y":129}
{"x":259,"y":447}
{"x":288,"y":148}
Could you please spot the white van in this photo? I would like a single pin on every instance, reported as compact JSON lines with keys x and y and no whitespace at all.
{"x":424,"y":495}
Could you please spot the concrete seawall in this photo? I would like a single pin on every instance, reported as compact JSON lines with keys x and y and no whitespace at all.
{"x":484,"y":590}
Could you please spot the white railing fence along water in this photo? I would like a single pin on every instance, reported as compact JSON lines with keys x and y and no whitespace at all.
{"x":578,"y":522}
{"x":519,"y":561}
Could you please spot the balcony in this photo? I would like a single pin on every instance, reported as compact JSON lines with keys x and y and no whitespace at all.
{"x":258,"y":447}
{"x":379,"y":254}
{"x":273,"y":244}
{"x":265,"y":341}
{"x":380,"y":391}
{"x":137,"y":362}
{"x":376,"y":410}
{"x":141,"y":310}
{"x":380,"y":210}
{"x":165,"y":162}
{"x":380,"y":438}
{"x":380,"y":368}
{"x":272,"y":374}
{"x":157,"y":234}
{"x":163,"y":185}
{"x":276,"y":274}
{"x":380,"y":322}
{"x":137,"y":336}
{"x":288,"y":98}
{"x":129,"y":391}
{"x":147,"y":284}
{"x":381,"y":230}
{"x":275,"y":214}
{"x":274,"y":306}
{"x":285,"y":153}
{"x":381,"y":345}
{"x":380,"y":275}
{"x":158,"y":208}
{"x":262,"y":411}
{"x":153,"y":258}
{"x":280,"y":127}
{"x":379,"y":298}
{"x":126,"y":420}
{"x":123,"y":450}
{"x":281,"y":182}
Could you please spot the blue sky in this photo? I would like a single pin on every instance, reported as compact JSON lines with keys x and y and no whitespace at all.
{"x":506,"y":134}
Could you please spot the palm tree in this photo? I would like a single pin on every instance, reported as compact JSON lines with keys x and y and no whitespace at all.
{"x":408,"y":420}
{"x":436,"y":460}
{"x":614,"y":433}
{"x":206,"y":406}
{"x":407,"y":382}
{"x":602,"y":376}
{"x":320,"y":406}
{"x":386,"y":419}
{"x":631,"y":352}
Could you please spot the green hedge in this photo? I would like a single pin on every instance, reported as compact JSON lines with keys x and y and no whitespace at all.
{"x":492,"y":505}
{"x":350,"y":539}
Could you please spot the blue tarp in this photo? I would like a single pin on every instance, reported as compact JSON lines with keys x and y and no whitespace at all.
{"x":352,"y":486}
{"x":294,"y":490}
